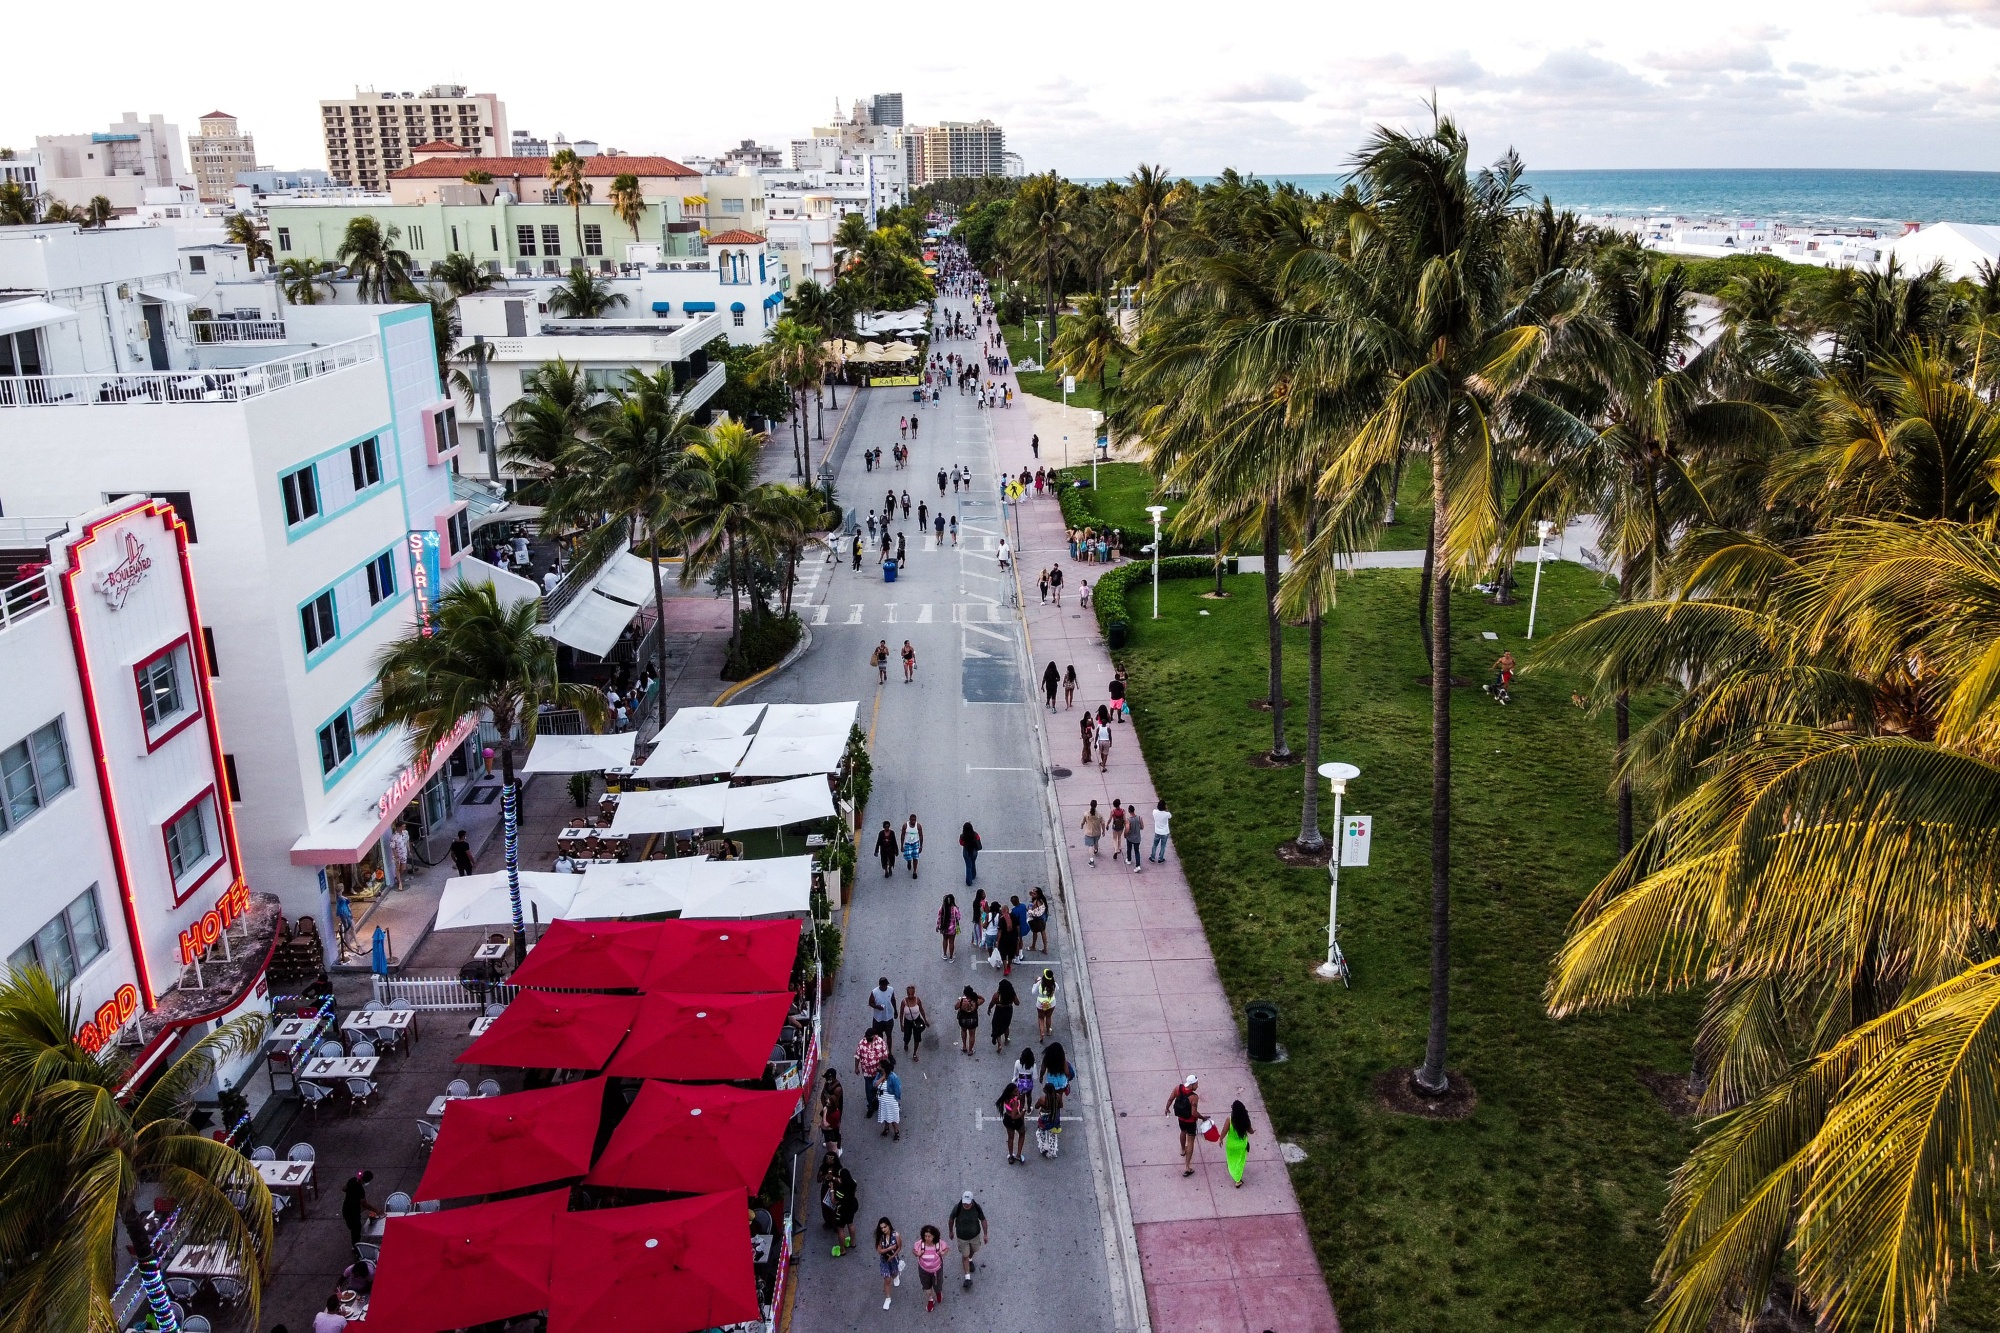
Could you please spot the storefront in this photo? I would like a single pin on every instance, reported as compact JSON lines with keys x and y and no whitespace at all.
{"x":352,"y":844}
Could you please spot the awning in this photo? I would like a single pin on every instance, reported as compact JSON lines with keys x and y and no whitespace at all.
{"x":694,"y":307}
{"x":676,"y":758}
{"x":579,"y":754}
{"x":592,"y":623}
{"x":776,"y":804}
{"x":489,"y":1145}
{"x":15,"y":316}
{"x":629,"y":578}
{"x":632,"y":888}
{"x":387,"y":784}
{"x":171,"y":295}
{"x":541,"y":1030}
{"x":773,"y":299}
{"x":663,"y":307}
{"x":736,"y":306}
{"x":712,"y":724}
{"x":606,"y":955}
{"x":792,"y":756}
{"x":467,"y":1266}
{"x":676,"y":809}
{"x":808,"y":719}
{"x":665,"y":1267}
{"x":483,"y":900}
{"x":725,"y":956}
{"x":779,"y":886}
{"x":694,"y":1036}
{"x":695,"y":1139}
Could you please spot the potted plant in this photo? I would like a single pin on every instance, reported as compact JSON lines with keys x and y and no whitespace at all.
{"x":579,"y":789}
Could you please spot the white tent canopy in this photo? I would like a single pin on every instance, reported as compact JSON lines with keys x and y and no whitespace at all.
{"x":675,"y":757}
{"x":592,"y":623}
{"x":778,"y":886}
{"x":579,"y":754}
{"x":672,"y":810}
{"x":775,"y":804}
{"x":792,"y":756}
{"x":711,"y":724}
{"x":482,"y":900}
{"x":633,"y":888}
{"x":629,"y":578}
{"x":809,"y":719}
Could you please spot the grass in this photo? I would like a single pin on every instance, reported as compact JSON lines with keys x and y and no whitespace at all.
{"x":1541,"y":1210}
{"x":1047,"y":384}
{"x":1121,"y":495}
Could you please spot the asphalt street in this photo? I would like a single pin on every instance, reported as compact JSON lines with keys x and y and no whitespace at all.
{"x":956,"y":745}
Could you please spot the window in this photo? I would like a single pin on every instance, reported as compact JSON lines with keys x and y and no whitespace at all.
{"x":593,"y":239}
{"x":366,"y":460}
{"x":301,"y":496}
{"x":229,"y":776}
{"x":192,"y":846}
{"x":33,"y":772}
{"x":197,"y":264}
{"x":524,"y":239}
{"x":208,"y":650}
{"x":68,"y":944}
{"x":454,"y":239}
{"x":496,"y":237}
{"x":381,"y":578}
{"x":551,"y":239}
{"x":732,"y":205}
{"x":284,"y":238}
{"x":458,"y":532}
{"x":336,"y":742}
{"x":318,"y":622}
{"x":416,"y":238}
{"x":164,"y":697}
{"x":737,"y":313}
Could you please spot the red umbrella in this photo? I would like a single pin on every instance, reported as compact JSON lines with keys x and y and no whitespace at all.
{"x":590,"y":955}
{"x":491,"y":1144}
{"x":544,"y":1031}
{"x":465,"y":1266}
{"x":732,"y":956}
{"x":681,"y":1035}
{"x":660,"y":1267}
{"x":695,"y":1138}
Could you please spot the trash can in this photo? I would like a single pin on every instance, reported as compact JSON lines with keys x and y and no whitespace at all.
{"x":1120,"y":630}
{"x":889,"y":570}
{"x":1263,"y":1016}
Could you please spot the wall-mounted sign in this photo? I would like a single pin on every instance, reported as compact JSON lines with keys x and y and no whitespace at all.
{"x":113,"y":1014}
{"x":425,"y":576}
{"x":116,"y":584}
{"x":406,"y":783}
{"x":197,"y":939}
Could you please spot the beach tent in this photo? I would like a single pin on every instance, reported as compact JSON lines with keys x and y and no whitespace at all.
{"x":579,"y":754}
{"x":483,"y":900}
{"x":489,"y":1145}
{"x":677,"y":757}
{"x":672,"y":810}
{"x":775,"y":804}
{"x":695,"y":1035}
{"x":633,"y":888}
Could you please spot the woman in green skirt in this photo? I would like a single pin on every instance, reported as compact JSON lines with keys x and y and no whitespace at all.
{"x":1236,"y":1141}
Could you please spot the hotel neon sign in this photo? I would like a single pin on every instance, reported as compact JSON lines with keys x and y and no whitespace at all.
{"x":199,"y":938}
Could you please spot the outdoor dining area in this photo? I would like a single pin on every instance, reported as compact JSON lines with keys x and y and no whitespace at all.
{"x":336,"y":1067}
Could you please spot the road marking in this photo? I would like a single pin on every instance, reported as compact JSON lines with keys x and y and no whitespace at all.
{"x":854,"y":614}
{"x":976,"y":768}
{"x":890,"y":607}
{"x":819,"y":614}
{"x":924,"y":614}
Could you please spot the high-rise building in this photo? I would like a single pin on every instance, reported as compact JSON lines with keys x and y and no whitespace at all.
{"x":955,"y":148}
{"x":217,"y":154}
{"x":120,"y":164}
{"x":886,"y":109}
{"x":372,"y":134}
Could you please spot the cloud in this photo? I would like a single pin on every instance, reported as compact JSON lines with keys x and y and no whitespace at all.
{"x":1985,"y":12}
{"x":1458,"y":70}
{"x":1268,"y":88}
{"x":1739,"y":59}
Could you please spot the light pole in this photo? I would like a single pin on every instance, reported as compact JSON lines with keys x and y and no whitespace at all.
{"x":1156,"y":511}
{"x":1542,"y":530}
{"x":1038,"y":346}
{"x":1335,"y":966}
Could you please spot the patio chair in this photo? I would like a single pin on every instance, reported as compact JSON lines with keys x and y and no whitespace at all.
{"x":263,"y":1152}
{"x":427,"y":1137}
{"x":362,"y":1050}
{"x":396,"y":1204}
{"x":279,"y":1203}
{"x":360,"y":1092}
{"x":315,"y":1095}
{"x":302,"y":1152}
{"x":229,"y":1291}
{"x":331,"y":1050}
{"x":180,"y":1312}
{"x":196,"y":1324}
{"x":366,"y":1250}
{"x":495,"y":1010}
{"x":458,"y":1087}
{"x":489,"y":1087}
{"x":183,"y":1289}
{"x":429,"y":1205}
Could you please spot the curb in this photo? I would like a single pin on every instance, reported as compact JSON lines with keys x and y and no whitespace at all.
{"x":798,"y":651}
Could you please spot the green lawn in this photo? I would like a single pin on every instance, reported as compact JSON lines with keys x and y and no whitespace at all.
{"x":1121,"y":495}
{"x":1046,"y":384}
{"x":1540,"y":1211}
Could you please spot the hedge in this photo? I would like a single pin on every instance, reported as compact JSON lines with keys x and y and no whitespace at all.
{"x":1077,"y":513}
{"x":764,"y":642}
{"x":1108,"y":593}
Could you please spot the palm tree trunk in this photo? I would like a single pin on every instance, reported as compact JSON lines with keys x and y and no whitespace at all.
{"x":1395,"y":486}
{"x":1431,"y":1078}
{"x":150,"y":1281}
{"x":1310,"y":838}
{"x":1218,"y":560}
{"x":1424,"y":591}
{"x":510,"y":826}
{"x":1276,"y":628}
{"x":660,"y":628}
{"x":1622,"y":710}
{"x":735,"y":613}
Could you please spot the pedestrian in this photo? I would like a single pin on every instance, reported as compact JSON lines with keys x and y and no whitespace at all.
{"x":1184,"y":1105}
{"x":882,"y":1007}
{"x":1135,"y":829}
{"x":1236,"y":1141}
{"x":1103,"y":739}
{"x":1035,"y":445}
{"x":915,"y":1019}
{"x":399,"y":847}
{"x":888,"y":1257}
{"x":947,"y":926}
{"x":923,"y":516}
{"x":1045,"y":1003}
{"x":1051,"y":679}
{"x":1055,"y":1069}
{"x":1093,"y":823}
{"x":902,"y":557}
{"x":1019,"y":911}
{"x":354,"y":1205}
{"x":930,"y":1265}
{"x":868,"y":1058}
{"x":954,"y":529}
{"x":1161,"y":818}
{"x":968,"y":1226}
{"x":880,"y":657}
{"x":968,"y":1005}
{"x":885,"y":848}
{"x":1124,"y":703}
{"x":1043,"y":582}
{"x":909,"y":653}
{"x":889,"y":1100}
{"x":937,"y":527}
{"x":846,"y":1203}
{"x":913,"y":843}
{"x":1038,"y":920}
{"x":1048,"y":1122}
{"x":903,"y":427}
{"x":969,"y":845}
{"x":832,"y":1102}
{"x":1116,"y":825}
{"x":1056,"y":583}
{"x":1088,"y":729}
{"x":1012,"y":1103}
{"x":940,"y":483}
{"x":461,"y":854}
{"x":1003,"y":553}
{"x":1069,"y":692}
{"x":978,"y":922}
{"x":1118,"y":695}
{"x":1005,"y":1000}
{"x":1009,"y":943}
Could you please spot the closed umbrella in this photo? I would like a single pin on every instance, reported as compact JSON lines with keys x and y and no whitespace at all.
{"x":660,"y":1267}
{"x":724,"y":956}
{"x":466,"y":1266}
{"x":694,"y":1036}
{"x":541,"y":1030}
{"x":488,"y":1145}
{"x":691,"y":1139}
{"x":378,"y":953}
{"x":601,"y":955}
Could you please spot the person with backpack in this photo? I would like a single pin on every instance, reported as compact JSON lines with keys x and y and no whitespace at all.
{"x":968,"y":1007}
{"x":888,"y":1257}
{"x":845,"y":1195}
{"x":1184,"y":1105}
{"x":968,"y":1226}
{"x":930,"y":1265}
{"x":1012,"y":1104}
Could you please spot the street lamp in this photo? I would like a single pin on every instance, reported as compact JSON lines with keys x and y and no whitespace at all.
{"x":1156,"y":511}
{"x":1335,"y":966}
{"x":1543,"y":531}
{"x":1039,"y":358}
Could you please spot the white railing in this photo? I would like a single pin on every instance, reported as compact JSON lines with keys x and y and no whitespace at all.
{"x":23,"y":599}
{"x":441,"y":991}
{"x":29,"y":533}
{"x":238,"y":330}
{"x":185,"y":386}
{"x":705,"y":388}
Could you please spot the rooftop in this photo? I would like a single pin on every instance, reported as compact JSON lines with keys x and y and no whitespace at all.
{"x":538,"y":167}
{"x":737,"y":236}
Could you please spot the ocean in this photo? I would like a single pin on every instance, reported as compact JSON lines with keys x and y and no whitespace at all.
{"x":1803,"y":195}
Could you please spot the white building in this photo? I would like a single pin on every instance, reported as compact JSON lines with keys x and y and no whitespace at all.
{"x":312,"y":468}
{"x":119,"y":163}
{"x":24,"y":170}
{"x":371,"y":134}
{"x":126,"y":882}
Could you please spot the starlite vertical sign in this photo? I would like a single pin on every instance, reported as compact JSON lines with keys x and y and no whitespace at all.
{"x":424,"y":577}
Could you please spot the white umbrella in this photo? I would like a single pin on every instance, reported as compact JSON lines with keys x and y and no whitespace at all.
{"x":676,"y":757}
{"x":579,"y":754}
{"x":791,"y":756}
{"x":633,"y":888}
{"x":809,"y":719}
{"x":776,"y":804}
{"x":711,"y":724}
{"x":482,"y":900}
{"x":777,"y":886}
{"x":673,"y":810}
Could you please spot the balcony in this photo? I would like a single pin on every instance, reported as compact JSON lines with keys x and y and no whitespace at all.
{"x":185,"y":386}
{"x":238,"y":330}
{"x":23,"y":599}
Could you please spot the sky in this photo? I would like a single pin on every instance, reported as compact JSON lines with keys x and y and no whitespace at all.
{"x":1273,"y":86}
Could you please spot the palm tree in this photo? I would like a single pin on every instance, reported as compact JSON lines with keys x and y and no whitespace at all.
{"x":584,"y":295}
{"x":477,"y":177}
{"x":478,"y":656}
{"x":463,"y":274}
{"x":1037,"y":232}
{"x":95,"y":213}
{"x":77,"y":1151}
{"x":242,"y":229}
{"x":301,"y":280}
{"x":1087,"y":343}
{"x":18,"y":208}
{"x":557,"y":411}
{"x":798,"y":359}
{"x":727,"y":513}
{"x":628,"y":201}
{"x":848,"y":239}
{"x":633,"y":470}
{"x":368,"y":249}
{"x":566,"y":176}
{"x":1147,"y":204}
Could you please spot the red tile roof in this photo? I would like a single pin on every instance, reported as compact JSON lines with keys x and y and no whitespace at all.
{"x":537,"y":168}
{"x":213,"y":114}
{"x":736,"y":237}
{"x":439,"y":146}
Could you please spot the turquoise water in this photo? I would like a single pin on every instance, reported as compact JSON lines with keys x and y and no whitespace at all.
{"x":1845,"y":198}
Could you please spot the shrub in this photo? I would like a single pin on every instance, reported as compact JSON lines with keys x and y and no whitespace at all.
{"x":1079,"y":511}
{"x":764,"y":642}
{"x":1108,"y":593}
{"x":579,"y":788}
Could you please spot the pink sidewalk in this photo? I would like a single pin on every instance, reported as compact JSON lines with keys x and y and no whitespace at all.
{"x":1215,"y":1258}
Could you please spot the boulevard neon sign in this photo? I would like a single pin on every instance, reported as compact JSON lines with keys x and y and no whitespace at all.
{"x":411,"y":778}
{"x":113,"y":1014}
{"x":199,"y":938}
{"x":116,"y":583}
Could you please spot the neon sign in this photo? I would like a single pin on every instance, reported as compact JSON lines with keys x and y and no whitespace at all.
{"x":112,"y":1015}
{"x":197,"y":939}
{"x":116,"y":584}
{"x":424,"y":577}
{"x":411,"y":778}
